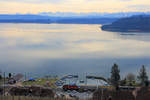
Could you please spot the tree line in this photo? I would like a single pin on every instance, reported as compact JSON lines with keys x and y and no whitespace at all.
{"x":130,"y":80}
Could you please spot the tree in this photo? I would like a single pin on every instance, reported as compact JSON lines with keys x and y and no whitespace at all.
{"x":131,"y":77}
{"x":143,"y":78}
{"x":9,"y":75}
{"x":123,"y":82}
{"x":0,"y":76}
{"x":115,"y":75}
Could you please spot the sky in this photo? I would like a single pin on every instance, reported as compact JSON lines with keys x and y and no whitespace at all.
{"x":77,"y":6}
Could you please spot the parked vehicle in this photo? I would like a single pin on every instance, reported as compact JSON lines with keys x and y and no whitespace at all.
{"x":70,"y":87}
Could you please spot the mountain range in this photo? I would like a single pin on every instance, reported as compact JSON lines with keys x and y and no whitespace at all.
{"x":67,"y":18}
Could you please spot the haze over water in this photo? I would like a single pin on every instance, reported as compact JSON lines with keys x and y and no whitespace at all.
{"x":70,"y":49}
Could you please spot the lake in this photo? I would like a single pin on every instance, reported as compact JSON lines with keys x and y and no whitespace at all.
{"x":58,"y":49}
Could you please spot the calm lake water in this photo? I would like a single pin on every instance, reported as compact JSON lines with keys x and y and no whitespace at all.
{"x":42,"y":49}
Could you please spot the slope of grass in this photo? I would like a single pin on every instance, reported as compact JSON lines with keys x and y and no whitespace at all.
{"x":42,"y":82}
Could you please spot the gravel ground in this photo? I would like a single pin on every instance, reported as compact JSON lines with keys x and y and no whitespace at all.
{"x":74,"y":94}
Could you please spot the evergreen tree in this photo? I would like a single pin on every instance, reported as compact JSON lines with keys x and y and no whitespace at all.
{"x":0,"y":76}
{"x":9,"y":75}
{"x":143,"y":78}
{"x":115,"y":75}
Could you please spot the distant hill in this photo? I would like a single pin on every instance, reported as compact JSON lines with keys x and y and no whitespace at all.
{"x":41,"y":21}
{"x":4,"y":18}
{"x":86,"y":20}
{"x":51,"y":19}
{"x":23,"y":16}
{"x":67,"y":17}
{"x":139,"y":23}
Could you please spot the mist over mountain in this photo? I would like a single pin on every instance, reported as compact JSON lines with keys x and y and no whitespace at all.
{"x":94,"y":14}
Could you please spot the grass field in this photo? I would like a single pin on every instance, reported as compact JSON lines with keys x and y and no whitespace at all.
{"x":42,"y":82}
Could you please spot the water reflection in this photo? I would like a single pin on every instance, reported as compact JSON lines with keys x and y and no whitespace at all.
{"x":58,"y":48}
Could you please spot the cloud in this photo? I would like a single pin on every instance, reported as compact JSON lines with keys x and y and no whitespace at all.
{"x":37,"y":6}
{"x":126,"y":0}
{"x":143,"y":7}
{"x":35,"y":1}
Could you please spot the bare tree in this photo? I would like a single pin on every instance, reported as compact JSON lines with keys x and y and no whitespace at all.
{"x":131,"y":77}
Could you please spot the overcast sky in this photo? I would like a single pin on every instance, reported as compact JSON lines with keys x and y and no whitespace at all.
{"x":37,"y":6}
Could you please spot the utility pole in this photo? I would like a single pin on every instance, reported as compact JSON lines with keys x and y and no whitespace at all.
{"x":97,"y":86}
{"x":86,"y":78}
{"x":25,"y":76}
{"x":102,"y":94}
{"x":4,"y":84}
